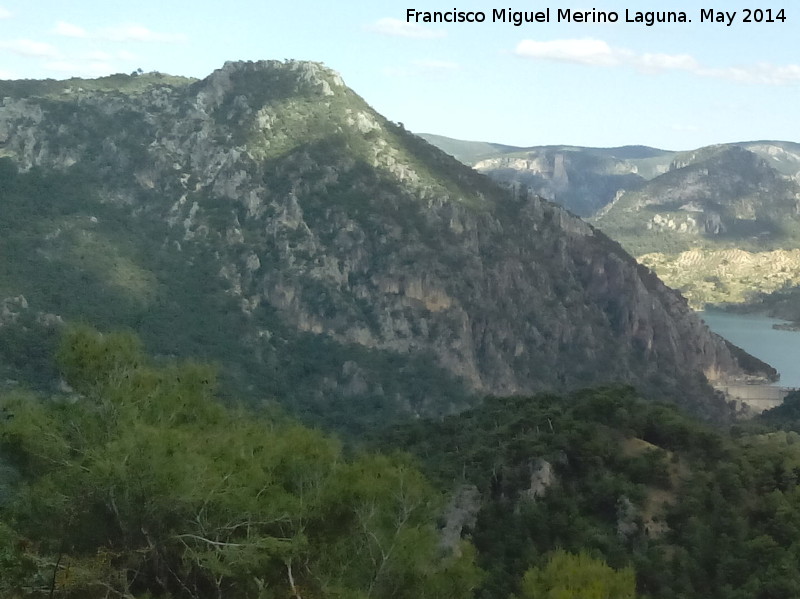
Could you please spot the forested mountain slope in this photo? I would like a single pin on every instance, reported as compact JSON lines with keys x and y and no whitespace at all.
{"x":268,"y":219}
{"x":695,"y":511}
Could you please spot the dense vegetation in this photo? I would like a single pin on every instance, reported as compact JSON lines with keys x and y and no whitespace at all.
{"x":140,"y":484}
{"x":696,"y":512}
{"x":139,"y":480}
{"x":75,"y":257}
{"x":118,"y":83}
{"x":784,"y":304}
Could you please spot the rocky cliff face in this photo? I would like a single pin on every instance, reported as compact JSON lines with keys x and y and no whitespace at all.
{"x":346,"y":263}
{"x":580,"y":181}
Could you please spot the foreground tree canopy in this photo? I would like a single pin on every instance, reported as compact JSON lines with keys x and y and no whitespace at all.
{"x":139,"y":483}
{"x":143,"y":485}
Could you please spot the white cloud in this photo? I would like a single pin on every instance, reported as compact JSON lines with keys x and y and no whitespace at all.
{"x":398,"y":28}
{"x":595,"y":52}
{"x":5,"y":13}
{"x":129,"y":32}
{"x":132,"y":32}
{"x":665,"y":62}
{"x":103,"y":56}
{"x":437,"y":65}
{"x":586,"y":51}
{"x":8,"y":74}
{"x":69,"y":30}
{"x":25,"y":47}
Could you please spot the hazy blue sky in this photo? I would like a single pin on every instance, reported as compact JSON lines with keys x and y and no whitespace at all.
{"x":676,"y":86}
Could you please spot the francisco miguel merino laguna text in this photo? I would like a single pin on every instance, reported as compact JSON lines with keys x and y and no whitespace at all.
{"x":568,"y":15}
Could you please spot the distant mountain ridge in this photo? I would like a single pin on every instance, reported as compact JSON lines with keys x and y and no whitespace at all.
{"x":581,"y":179}
{"x":470,"y":152}
{"x":268,"y":219}
{"x":673,"y":209}
{"x":585,"y":179}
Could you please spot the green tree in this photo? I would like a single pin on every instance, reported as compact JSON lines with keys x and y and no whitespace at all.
{"x":144,"y":485}
{"x":569,"y":576}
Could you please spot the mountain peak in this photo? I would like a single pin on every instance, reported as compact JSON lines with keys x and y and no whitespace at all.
{"x":264,"y":80}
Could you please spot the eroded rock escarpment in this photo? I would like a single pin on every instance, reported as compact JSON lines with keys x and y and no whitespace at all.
{"x":322,"y":220}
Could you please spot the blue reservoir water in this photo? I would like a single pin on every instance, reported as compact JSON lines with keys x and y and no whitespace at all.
{"x":754,"y":334}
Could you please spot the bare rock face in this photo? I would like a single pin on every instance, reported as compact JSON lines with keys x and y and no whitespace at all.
{"x":583,"y":180}
{"x":542,"y":478}
{"x":461,"y":512}
{"x":627,"y":518}
{"x":313,"y":209}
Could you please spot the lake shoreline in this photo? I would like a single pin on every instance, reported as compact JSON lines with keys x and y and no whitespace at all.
{"x":773,"y":340}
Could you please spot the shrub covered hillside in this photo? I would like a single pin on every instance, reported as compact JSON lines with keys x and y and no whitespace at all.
{"x":140,"y":484}
{"x":604,"y":476}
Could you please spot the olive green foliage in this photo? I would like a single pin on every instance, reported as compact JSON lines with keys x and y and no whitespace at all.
{"x":118,"y":83}
{"x":568,"y":576}
{"x":142,"y":485}
{"x":785,"y":416}
{"x":784,"y":304}
{"x":713,"y":514}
